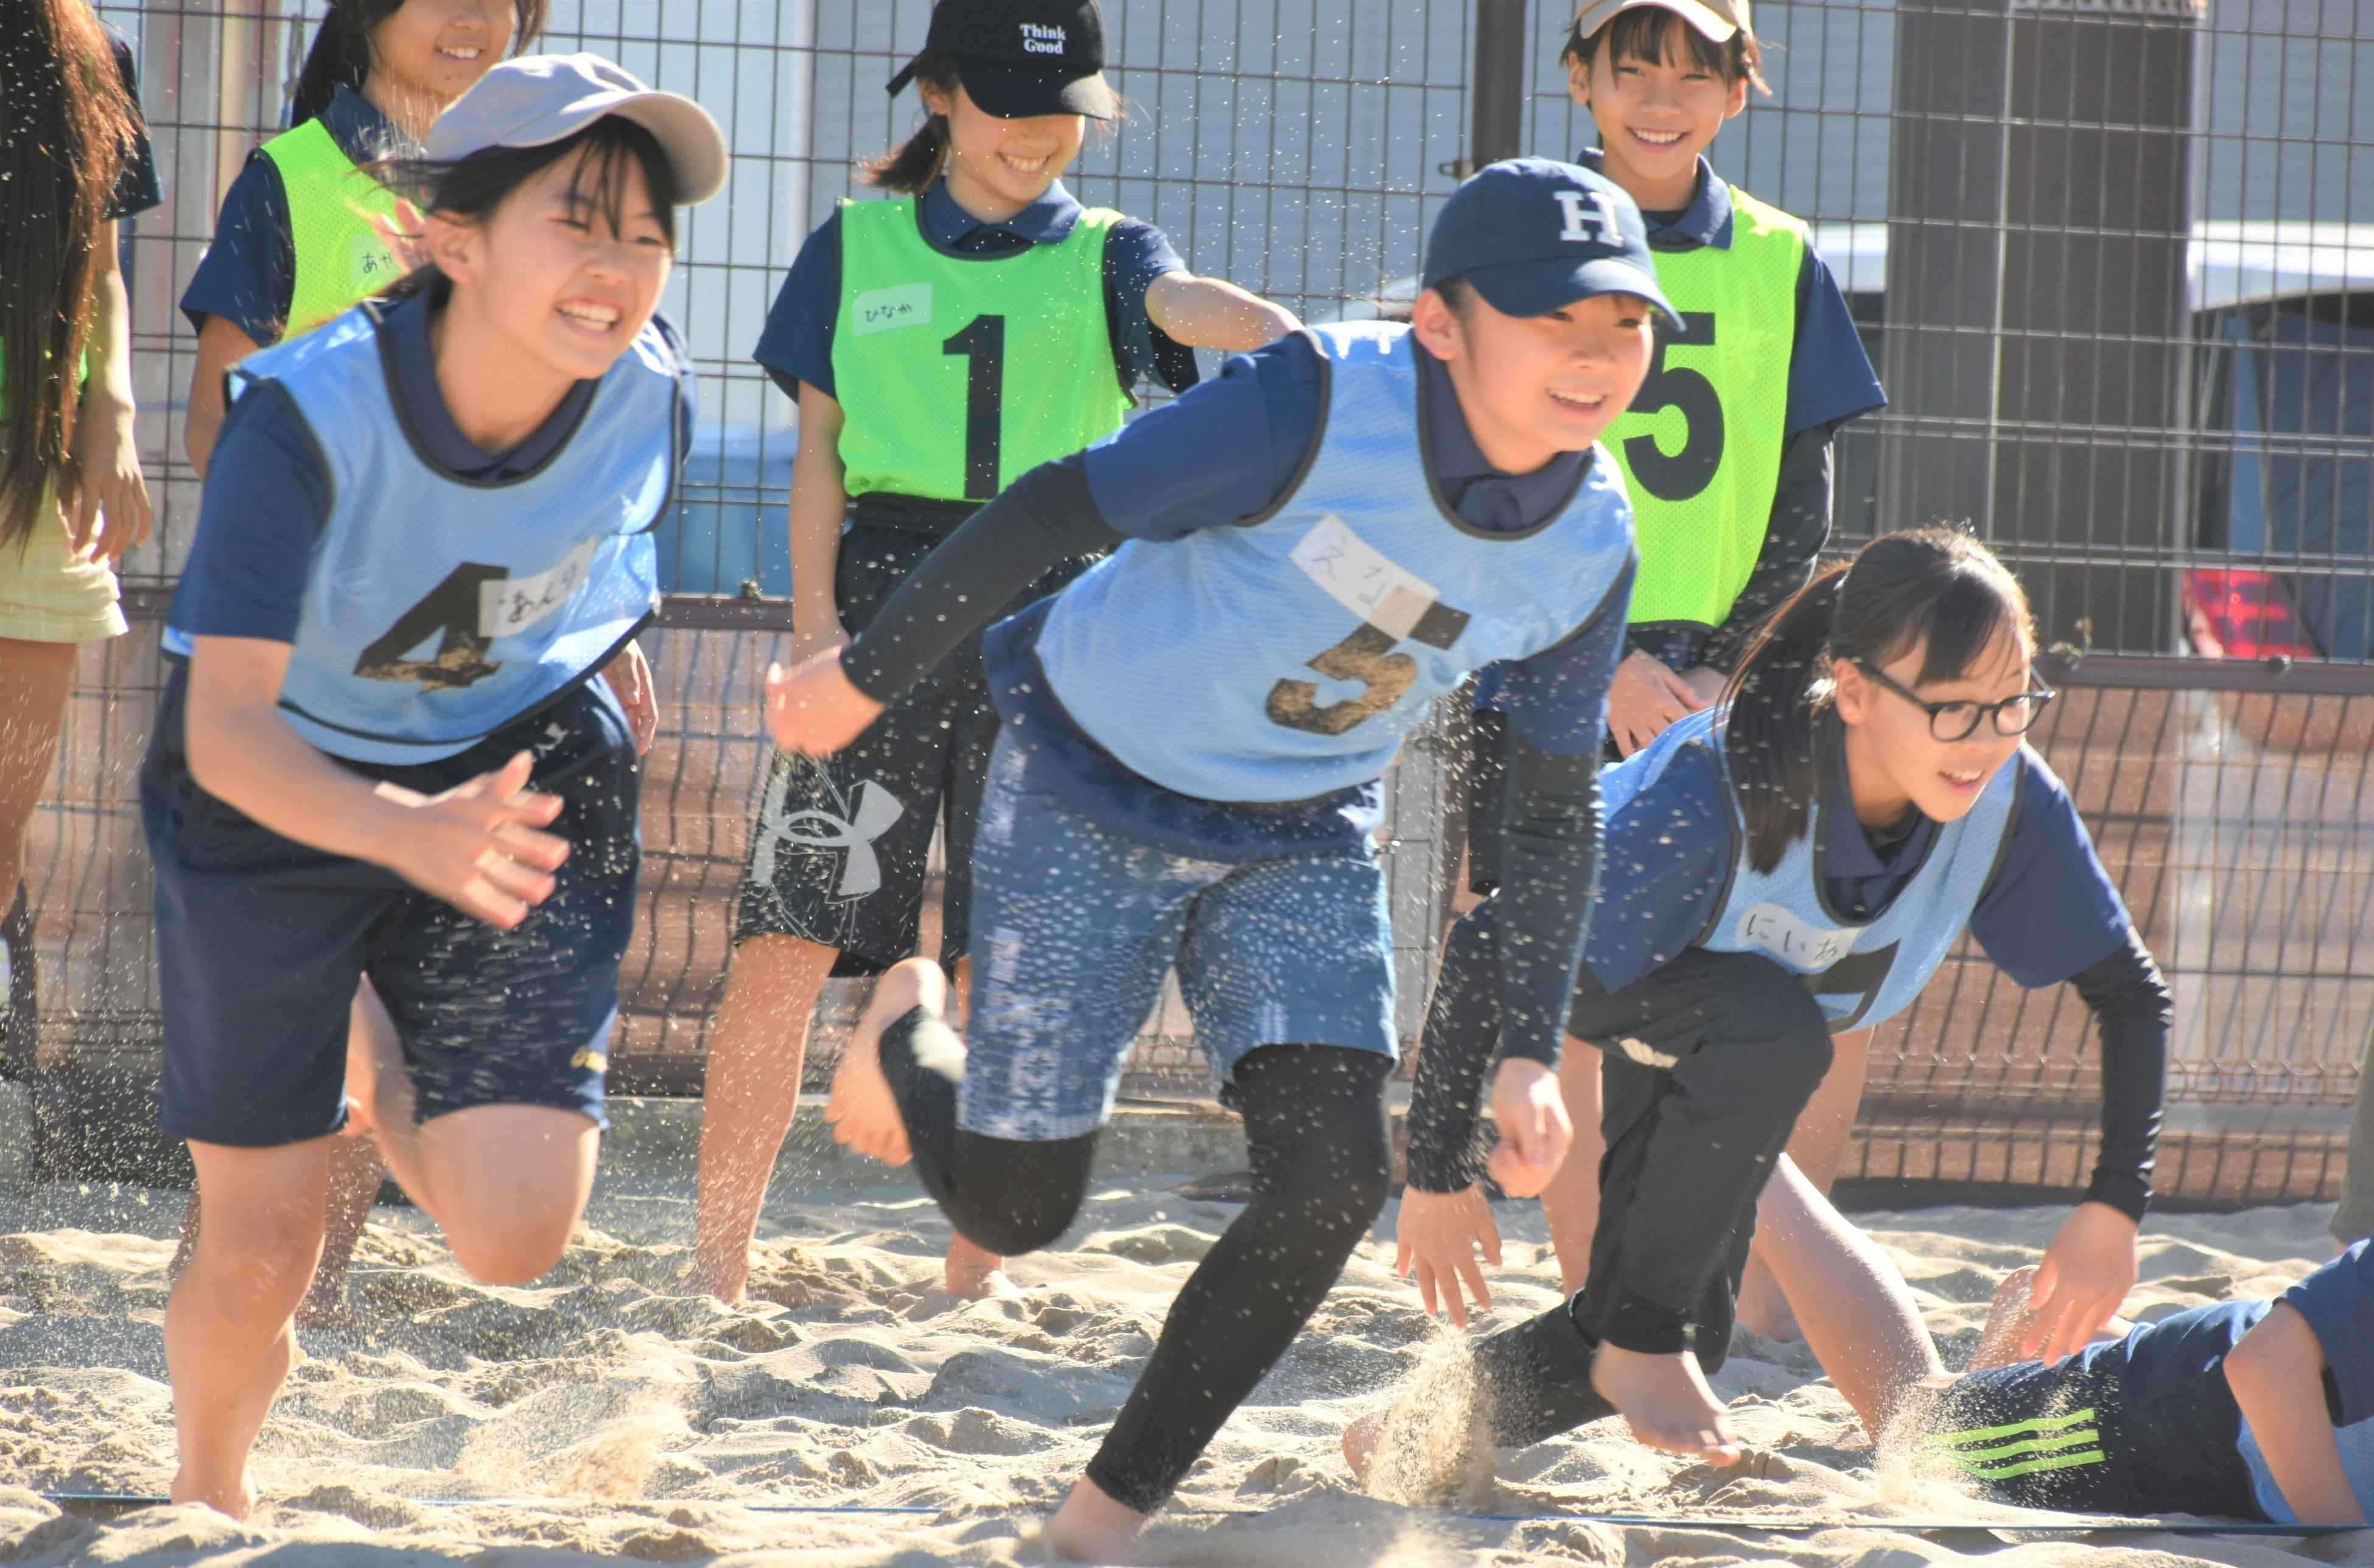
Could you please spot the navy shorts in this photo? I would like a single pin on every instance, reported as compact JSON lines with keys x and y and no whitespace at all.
{"x":840,"y":853}
{"x":2068,"y":1436}
{"x":261,"y":940}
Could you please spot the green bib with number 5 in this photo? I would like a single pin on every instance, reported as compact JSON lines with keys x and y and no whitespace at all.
{"x":1700,"y":446}
{"x":958,"y":375}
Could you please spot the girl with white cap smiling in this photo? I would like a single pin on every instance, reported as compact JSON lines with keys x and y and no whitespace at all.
{"x":424,"y":533}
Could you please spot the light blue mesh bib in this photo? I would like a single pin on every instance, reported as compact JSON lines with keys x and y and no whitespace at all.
{"x":438,"y":609}
{"x":1287,"y":656}
{"x":2356,"y":1462}
{"x":1862,"y":972}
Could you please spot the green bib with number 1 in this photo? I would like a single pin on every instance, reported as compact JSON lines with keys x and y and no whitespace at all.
{"x":958,"y":375}
{"x":1700,"y":446}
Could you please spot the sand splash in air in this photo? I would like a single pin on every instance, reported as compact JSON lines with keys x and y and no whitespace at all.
{"x":603,"y":1412}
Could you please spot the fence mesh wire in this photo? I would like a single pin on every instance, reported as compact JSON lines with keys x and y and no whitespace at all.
{"x":2115,"y":262}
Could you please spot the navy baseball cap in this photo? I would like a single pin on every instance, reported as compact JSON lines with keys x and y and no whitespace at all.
{"x":1022,"y":58}
{"x":1531,"y":235}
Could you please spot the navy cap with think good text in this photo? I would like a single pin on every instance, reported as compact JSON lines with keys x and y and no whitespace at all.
{"x":1533,"y":235}
{"x":1022,"y":58}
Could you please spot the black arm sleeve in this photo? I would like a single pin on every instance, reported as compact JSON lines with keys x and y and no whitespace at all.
{"x":1045,"y":516}
{"x":1462,"y":1026}
{"x":1550,"y":874}
{"x":2132,"y":1007}
{"x":1800,"y":527}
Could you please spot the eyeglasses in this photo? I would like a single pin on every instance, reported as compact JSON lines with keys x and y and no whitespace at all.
{"x":1960,"y":721}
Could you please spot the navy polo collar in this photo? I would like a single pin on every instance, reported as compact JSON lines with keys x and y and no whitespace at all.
{"x":1706,"y":221}
{"x":1047,"y":221}
{"x":1456,"y":460}
{"x":1847,"y":850}
{"x":362,"y":133}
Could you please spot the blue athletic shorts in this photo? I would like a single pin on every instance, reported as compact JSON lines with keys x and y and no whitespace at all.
{"x":1074,"y":927}
{"x":261,"y":940}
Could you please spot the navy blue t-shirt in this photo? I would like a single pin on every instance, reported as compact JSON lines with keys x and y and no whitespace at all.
{"x":1157,"y":480}
{"x":268,"y":492}
{"x":2050,"y":913}
{"x":248,"y":275}
{"x":136,"y":190}
{"x":797,"y":345}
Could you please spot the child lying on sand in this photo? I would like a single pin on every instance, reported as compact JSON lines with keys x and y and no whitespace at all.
{"x":2256,"y":1410}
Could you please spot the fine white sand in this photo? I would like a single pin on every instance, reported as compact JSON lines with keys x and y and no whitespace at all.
{"x":602,"y":1413}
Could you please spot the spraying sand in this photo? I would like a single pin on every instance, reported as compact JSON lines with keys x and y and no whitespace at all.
{"x":651,"y":1422}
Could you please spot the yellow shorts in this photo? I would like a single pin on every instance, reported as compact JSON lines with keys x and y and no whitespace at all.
{"x":47,"y":596}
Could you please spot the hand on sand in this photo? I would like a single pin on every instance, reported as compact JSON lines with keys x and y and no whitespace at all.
{"x":1534,"y":1130}
{"x":1439,"y":1234}
{"x":1092,"y":1527}
{"x":1360,"y":1439}
{"x":476,"y":845}
{"x":1666,"y":1402}
{"x":813,"y":708}
{"x":2087,"y":1272}
{"x":2007,"y":1322}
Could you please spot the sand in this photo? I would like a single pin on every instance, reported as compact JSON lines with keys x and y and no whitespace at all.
{"x":603,"y":1412}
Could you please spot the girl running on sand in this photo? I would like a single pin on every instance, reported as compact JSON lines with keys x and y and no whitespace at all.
{"x":305,"y":232}
{"x":940,"y":345}
{"x":1312,"y":549}
{"x":1793,"y":863}
{"x":424,"y":534}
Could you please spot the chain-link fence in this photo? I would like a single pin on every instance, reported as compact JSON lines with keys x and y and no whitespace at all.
{"x":2114,"y":261}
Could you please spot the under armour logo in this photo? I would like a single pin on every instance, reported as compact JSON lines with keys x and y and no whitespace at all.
{"x":860,"y":871}
{"x":1587,"y":210}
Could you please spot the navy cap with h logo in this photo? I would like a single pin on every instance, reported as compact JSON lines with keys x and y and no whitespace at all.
{"x":1533,"y":235}
{"x":1020,"y":58}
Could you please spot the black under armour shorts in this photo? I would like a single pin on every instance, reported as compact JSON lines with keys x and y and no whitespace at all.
{"x":839,"y":851}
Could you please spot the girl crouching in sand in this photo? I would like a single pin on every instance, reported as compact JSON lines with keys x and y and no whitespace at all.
{"x":425,"y":532}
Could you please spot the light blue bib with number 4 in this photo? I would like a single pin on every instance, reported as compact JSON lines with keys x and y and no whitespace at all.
{"x":441,"y":609}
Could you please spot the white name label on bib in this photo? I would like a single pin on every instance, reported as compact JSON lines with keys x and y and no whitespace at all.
{"x":1795,"y":942}
{"x":886,"y":310}
{"x":1362,"y":579}
{"x":511,"y":604}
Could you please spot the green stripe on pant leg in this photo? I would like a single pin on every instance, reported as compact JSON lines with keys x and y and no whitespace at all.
{"x":2015,"y":1429}
{"x":2050,"y":1462}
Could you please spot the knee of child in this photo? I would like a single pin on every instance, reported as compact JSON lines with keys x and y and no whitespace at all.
{"x":268,"y":1267}
{"x":1010,"y":1230}
{"x":516,"y":1252}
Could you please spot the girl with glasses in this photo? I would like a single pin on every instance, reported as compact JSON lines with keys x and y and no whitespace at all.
{"x":1792,"y":863}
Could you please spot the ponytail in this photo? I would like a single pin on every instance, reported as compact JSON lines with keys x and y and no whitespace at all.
{"x":1931,"y":586}
{"x":341,"y":55}
{"x":914,"y":167}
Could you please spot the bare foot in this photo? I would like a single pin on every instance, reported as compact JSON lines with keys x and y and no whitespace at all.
{"x":975,"y":1273}
{"x":1360,"y":1439}
{"x":237,"y":1500}
{"x":862,"y":1110}
{"x":1666,"y":1402}
{"x":1092,"y":1527}
{"x":2006,"y":1322}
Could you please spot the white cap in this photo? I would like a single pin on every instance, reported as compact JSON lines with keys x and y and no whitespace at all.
{"x":544,"y":98}
{"x":1716,"y":21}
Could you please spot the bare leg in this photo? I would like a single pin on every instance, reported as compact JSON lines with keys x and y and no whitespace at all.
{"x":229,"y":1338}
{"x":1857,"y":1313}
{"x":1816,"y":1147}
{"x":756,"y":1054}
{"x":355,"y":1167}
{"x":507,"y":1184}
{"x":1570,"y":1203}
{"x":34,"y":679}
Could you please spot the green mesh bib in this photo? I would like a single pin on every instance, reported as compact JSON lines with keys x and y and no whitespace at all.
{"x":1700,"y":446}
{"x":340,"y":258}
{"x":958,"y":375}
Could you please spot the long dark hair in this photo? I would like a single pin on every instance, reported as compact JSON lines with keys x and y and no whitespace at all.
{"x":65,"y":125}
{"x":341,"y":55}
{"x":473,"y":187}
{"x":1924,"y":583}
{"x":910,"y":167}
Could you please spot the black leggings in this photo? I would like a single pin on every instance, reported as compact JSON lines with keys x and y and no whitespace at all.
{"x":1321,"y":1166}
